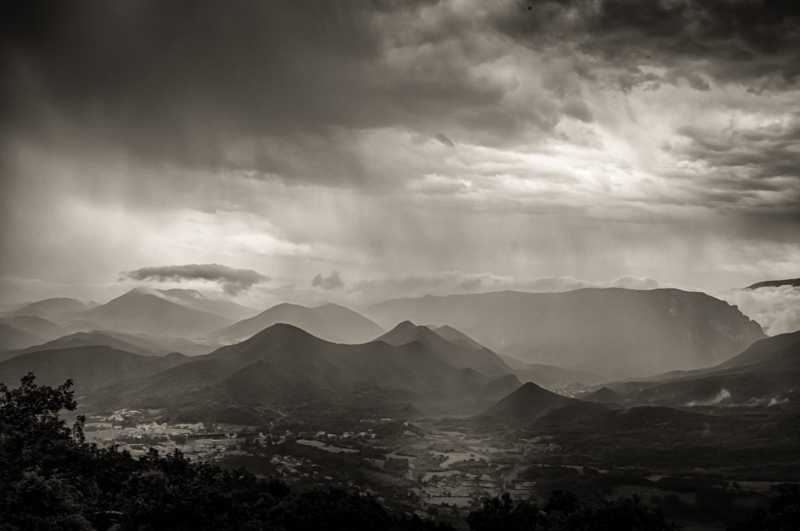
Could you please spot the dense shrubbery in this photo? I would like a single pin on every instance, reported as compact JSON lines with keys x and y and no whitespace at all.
{"x":782,"y":513}
{"x":564,"y":512}
{"x":50,"y":478}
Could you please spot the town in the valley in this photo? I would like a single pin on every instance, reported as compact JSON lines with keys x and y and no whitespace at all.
{"x":434,"y":469}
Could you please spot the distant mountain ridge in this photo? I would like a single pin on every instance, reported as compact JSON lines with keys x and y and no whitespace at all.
{"x":286,"y":367}
{"x":617,"y":333}
{"x":147,"y":311}
{"x":87,"y":339}
{"x":456,"y":355}
{"x":330,"y":322}
{"x":89,"y":367}
{"x":765,"y":373}
{"x":196,"y":300}
{"x":50,"y":308}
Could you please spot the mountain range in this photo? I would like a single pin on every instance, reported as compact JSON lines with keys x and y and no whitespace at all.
{"x":284,"y":369}
{"x":146,"y":311}
{"x":616,"y":333}
{"x":90,"y":367}
{"x":766,"y":373}
{"x":330,"y":322}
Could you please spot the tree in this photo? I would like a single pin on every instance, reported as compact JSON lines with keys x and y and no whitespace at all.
{"x":50,"y":478}
{"x":781,"y":513}
{"x":502,"y":513}
{"x":564,"y":512}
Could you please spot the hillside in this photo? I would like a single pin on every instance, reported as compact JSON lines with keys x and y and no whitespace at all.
{"x":526,"y":405}
{"x":89,"y":367}
{"x":50,"y":308}
{"x":604,"y":395}
{"x":283,"y":368}
{"x":196,"y":300}
{"x":12,"y":337}
{"x":456,"y":336}
{"x":330,"y":322}
{"x":37,"y":326}
{"x":142,"y":311}
{"x":616,"y":333}
{"x":87,"y":339}
{"x":456,"y":355}
{"x":765,"y":374}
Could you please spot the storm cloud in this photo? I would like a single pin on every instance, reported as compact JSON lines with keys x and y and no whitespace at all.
{"x":233,"y":281}
{"x":408,"y":144}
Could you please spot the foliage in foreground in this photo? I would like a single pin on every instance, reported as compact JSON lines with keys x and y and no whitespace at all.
{"x":50,"y":478}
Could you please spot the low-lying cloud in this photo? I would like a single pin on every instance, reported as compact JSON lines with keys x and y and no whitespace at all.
{"x":232,"y":281}
{"x":777,"y":309}
{"x":332,"y":281}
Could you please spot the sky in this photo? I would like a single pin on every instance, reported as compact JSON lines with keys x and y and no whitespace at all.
{"x":355,"y":151}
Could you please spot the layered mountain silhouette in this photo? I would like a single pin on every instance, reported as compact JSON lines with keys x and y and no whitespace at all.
{"x":548,"y":375}
{"x":528,"y":404}
{"x":284,"y":368}
{"x":89,"y":367}
{"x":12,"y":337}
{"x":460,"y":355}
{"x":150,"y":312}
{"x":459,"y":350}
{"x":330,"y":322}
{"x":604,"y":395}
{"x":24,"y":330}
{"x":616,"y":333}
{"x":116,"y":340}
{"x":53,"y":309}
{"x":767,"y":373}
{"x":196,"y":300}
{"x":456,"y":336}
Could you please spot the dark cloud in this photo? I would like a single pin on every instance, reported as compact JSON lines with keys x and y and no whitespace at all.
{"x":754,"y":166}
{"x":233,"y":281}
{"x":245,"y":87}
{"x":769,"y":150}
{"x":332,"y":281}
{"x":754,"y":42}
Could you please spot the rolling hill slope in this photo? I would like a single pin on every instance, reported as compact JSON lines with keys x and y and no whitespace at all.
{"x":90,"y":367}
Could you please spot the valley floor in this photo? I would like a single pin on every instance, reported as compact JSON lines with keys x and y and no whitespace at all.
{"x":437,"y":469}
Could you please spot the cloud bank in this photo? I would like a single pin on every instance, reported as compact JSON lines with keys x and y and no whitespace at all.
{"x":777,"y":310}
{"x":232,"y":281}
